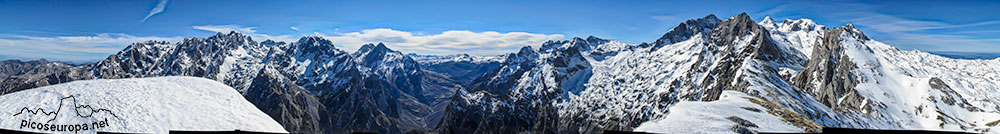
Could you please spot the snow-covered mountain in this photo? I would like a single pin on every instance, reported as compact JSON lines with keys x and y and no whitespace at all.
{"x":797,"y":75}
{"x":789,"y":76}
{"x":309,"y":85}
{"x":17,"y":67}
{"x":12,"y":71}
{"x":141,"y":105}
{"x":461,"y":67}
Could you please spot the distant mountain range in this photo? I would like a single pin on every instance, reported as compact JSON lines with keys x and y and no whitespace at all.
{"x":967,"y":55}
{"x":789,"y":76}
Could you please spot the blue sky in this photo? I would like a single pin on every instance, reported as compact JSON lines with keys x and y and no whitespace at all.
{"x":91,"y":30}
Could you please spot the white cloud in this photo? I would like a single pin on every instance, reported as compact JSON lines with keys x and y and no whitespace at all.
{"x":294,"y":28}
{"x":447,"y":42}
{"x":99,"y":46}
{"x":156,"y":10}
{"x":226,"y":28}
{"x":70,"y":48}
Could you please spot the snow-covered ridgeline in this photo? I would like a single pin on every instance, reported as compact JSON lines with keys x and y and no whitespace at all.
{"x":432,"y":59}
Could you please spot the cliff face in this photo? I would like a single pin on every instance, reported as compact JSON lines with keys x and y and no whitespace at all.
{"x":829,"y":75}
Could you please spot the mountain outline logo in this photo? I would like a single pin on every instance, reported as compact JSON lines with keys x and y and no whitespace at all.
{"x":49,"y":126}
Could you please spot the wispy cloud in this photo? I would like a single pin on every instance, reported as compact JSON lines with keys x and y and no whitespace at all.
{"x":906,"y":33}
{"x":156,"y":10}
{"x":772,"y":11}
{"x":985,"y":31}
{"x":920,"y":34}
{"x":294,"y":28}
{"x":888,"y":23}
{"x":70,"y":48}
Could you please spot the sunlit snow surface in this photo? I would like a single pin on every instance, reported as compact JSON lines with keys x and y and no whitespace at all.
{"x":716,"y":117}
{"x":142,"y":105}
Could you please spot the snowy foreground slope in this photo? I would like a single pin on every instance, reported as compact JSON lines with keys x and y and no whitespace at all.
{"x":733,"y":111}
{"x":139,"y":105}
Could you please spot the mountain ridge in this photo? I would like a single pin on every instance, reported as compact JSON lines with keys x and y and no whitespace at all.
{"x":798,"y":74}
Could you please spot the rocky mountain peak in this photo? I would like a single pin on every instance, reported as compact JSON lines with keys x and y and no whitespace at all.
{"x":315,"y":41}
{"x":741,"y":20}
{"x":736,"y":27}
{"x":526,"y":49}
{"x":271,"y":43}
{"x":146,"y":44}
{"x":381,"y":47}
{"x":688,"y":29}
{"x":576,"y":43}
{"x":767,"y":19}
{"x":379,"y":56}
{"x":365,"y":48}
{"x":588,"y":44}
{"x":710,"y":17}
{"x":553,"y":44}
{"x":768,"y":23}
{"x":232,"y":35}
{"x":17,"y":67}
{"x":315,"y":44}
{"x":595,"y":39}
{"x":850,"y":30}
{"x":526,"y":52}
{"x":803,"y":24}
{"x":372,"y":49}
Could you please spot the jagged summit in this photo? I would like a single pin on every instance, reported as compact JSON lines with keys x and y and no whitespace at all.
{"x":736,"y":27}
{"x":710,"y":16}
{"x":271,"y":43}
{"x":687,"y":30}
{"x":230,"y":35}
{"x":526,"y":49}
{"x":742,"y":15}
{"x":372,"y":47}
{"x":231,"y":39}
{"x":767,"y":19}
{"x":315,"y":41}
{"x":847,"y":30}
{"x":768,"y":23}
{"x":312,"y":44}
